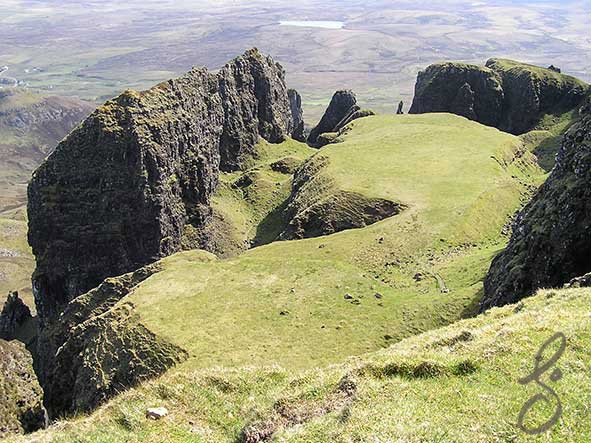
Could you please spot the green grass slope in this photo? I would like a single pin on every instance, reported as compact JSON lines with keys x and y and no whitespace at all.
{"x":248,"y":204}
{"x":456,"y":384}
{"x":286,"y":302}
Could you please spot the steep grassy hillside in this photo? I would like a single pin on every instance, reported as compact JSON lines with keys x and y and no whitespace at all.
{"x":313,"y":302}
{"x":248,"y":205}
{"x":456,"y":384}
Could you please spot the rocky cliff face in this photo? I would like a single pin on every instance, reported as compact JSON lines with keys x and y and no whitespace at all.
{"x":120,"y":191}
{"x":551,"y":241}
{"x":21,"y":397}
{"x":297,"y":115}
{"x":470,"y":91}
{"x":338,"y":114}
{"x":98,"y":347}
{"x":508,"y":95}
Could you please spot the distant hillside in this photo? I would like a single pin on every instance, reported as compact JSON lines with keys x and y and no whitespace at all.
{"x":31,"y":125}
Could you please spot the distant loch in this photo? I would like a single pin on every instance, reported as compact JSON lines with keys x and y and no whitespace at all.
{"x":313,"y":24}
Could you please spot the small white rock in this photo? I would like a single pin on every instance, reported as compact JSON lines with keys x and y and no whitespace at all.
{"x":156,"y":413}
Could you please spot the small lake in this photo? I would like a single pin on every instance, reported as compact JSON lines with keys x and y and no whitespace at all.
{"x":313,"y":24}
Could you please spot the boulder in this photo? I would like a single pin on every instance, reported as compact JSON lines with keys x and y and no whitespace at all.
{"x":156,"y":413}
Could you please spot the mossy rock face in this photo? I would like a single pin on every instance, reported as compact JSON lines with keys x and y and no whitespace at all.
{"x":471,"y":91}
{"x":511,"y":96}
{"x":21,"y":397}
{"x":550,"y":243}
{"x":120,"y":189}
{"x":98,"y":347}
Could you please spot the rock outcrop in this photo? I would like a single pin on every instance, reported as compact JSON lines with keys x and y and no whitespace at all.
{"x":21,"y":397}
{"x":471,"y":91}
{"x":297,"y":116}
{"x":508,"y":95}
{"x":122,"y":189}
{"x":551,"y":241}
{"x":14,"y":314}
{"x":339,"y":113}
{"x":98,"y":347}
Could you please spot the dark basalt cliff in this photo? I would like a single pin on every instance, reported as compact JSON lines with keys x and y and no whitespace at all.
{"x":471,"y":91}
{"x":121,"y":189}
{"x":508,"y":95}
{"x":339,"y":113}
{"x":297,"y":115}
{"x":551,"y":241}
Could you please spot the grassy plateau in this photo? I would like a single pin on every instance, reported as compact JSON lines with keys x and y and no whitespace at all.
{"x":319,"y":339}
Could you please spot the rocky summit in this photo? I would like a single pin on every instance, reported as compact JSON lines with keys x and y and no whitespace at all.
{"x":122,"y":189}
{"x":511,"y":96}
{"x":550,"y":243}
{"x":342,"y":110}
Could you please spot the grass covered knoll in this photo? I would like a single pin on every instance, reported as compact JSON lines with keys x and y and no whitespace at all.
{"x":456,"y":384}
{"x":308,"y":303}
